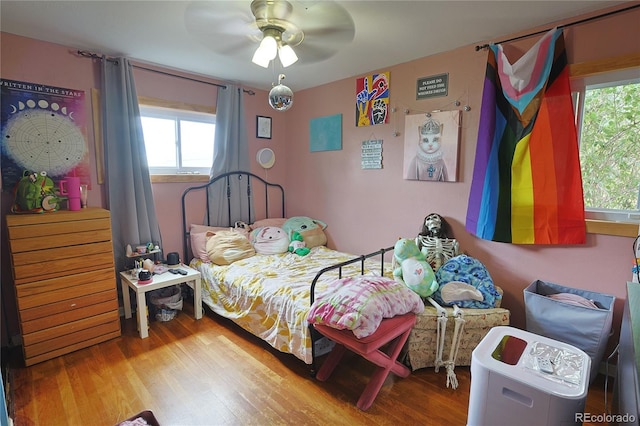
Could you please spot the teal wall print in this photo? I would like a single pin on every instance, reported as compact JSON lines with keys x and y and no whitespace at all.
{"x":325,"y":133}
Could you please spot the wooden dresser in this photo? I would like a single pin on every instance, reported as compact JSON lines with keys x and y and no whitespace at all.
{"x":64,"y":280}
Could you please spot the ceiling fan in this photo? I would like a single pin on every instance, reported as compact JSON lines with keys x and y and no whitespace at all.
{"x":312,"y":31}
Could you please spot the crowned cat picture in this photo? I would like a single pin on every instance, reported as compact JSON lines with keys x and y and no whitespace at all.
{"x":431,"y":150}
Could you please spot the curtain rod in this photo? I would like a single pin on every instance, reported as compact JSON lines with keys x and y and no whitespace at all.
{"x":582,"y":21}
{"x":92,"y":55}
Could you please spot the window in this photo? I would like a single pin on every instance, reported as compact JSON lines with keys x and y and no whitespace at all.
{"x":178,"y":141}
{"x":608,"y":123}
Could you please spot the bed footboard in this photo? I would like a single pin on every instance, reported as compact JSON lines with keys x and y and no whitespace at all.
{"x":315,"y":335}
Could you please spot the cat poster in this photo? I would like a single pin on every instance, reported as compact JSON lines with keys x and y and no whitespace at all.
{"x":431,"y":145}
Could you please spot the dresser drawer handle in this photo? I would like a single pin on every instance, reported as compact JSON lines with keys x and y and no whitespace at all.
{"x":73,"y":305}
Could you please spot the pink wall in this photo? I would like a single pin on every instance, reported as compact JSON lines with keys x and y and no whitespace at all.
{"x":369,"y":209}
{"x":30,"y":60}
{"x":365,"y":209}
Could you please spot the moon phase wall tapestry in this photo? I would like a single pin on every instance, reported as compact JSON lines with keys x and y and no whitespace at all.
{"x":43,"y":129}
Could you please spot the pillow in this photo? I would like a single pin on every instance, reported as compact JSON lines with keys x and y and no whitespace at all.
{"x":314,"y":237}
{"x":470,"y":282}
{"x":360,"y":303}
{"x":270,"y":221}
{"x":270,"y":240}
{"x":203,"y":229}
{"x":227,"y":246}
{"x":310,"y":229}
{"x":198,"y":237}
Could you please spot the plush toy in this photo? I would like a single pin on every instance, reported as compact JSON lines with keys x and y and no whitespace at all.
{"x":297,"y":245}
{"x":226,"y":246}
{"x":311,"y":230}
{"x":465,"y":282}
{"x":270,"y":240}
{"x":34,"y":193}
{"x":411,"y":268}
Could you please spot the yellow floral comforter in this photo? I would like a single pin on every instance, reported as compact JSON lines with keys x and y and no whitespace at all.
{"x":268,"y":295}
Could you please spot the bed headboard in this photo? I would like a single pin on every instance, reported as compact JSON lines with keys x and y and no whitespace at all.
{"x":263,"y":200}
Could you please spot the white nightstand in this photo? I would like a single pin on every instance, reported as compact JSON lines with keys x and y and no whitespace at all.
{"x":192,"y":279}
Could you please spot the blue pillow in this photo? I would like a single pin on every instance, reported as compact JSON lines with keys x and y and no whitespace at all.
{"x":467,"y":270}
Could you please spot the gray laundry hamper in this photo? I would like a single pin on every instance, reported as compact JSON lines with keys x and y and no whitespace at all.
{"x":584,"y":327}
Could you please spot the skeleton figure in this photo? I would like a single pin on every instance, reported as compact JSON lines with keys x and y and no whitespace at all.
{"x":428,"y":163}
{"x":436,"y":242}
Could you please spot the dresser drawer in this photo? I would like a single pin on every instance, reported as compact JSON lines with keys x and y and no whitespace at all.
{"x":58,"y":253}
{"x":112,"y":333}
{"x":58,"y":229}
{"x":65,"y":343}
{"x":64,"y":288}
{"x":62,"y":332}
{"x":62,"y":267}
{"x":80,"y":309}
{"x":53,"y":308}
{"x":72,"y":238}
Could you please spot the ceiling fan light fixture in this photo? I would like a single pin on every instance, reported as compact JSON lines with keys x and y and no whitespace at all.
{"x":267,"y":51}
{"x":287,"y":55}
{"x":259,"y":58}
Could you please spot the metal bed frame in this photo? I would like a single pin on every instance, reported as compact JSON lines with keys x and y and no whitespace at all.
{"x":249,"y":180}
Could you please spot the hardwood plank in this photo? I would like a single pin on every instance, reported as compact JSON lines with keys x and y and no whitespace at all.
{"x":210,"y":371}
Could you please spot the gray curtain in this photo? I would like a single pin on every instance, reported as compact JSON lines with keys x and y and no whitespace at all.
{"x":231,"y":153}
{"x":129,"y":192}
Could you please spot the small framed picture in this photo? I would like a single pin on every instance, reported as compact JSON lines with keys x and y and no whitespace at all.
{"x":263,"y":127}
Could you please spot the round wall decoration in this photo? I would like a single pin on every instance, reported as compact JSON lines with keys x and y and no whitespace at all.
{"x":266,"y":158}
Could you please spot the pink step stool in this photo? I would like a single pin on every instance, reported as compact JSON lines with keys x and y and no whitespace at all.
{"x":391,"y":330}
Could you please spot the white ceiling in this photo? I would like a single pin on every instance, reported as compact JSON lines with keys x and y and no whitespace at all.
{"x":386,"y":33}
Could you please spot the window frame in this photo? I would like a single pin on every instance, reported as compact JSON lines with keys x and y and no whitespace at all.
{"x":589,"y":69}
{"x":174,"y":105}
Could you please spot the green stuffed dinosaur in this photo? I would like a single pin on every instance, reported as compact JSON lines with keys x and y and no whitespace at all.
{"x":297,"y":244}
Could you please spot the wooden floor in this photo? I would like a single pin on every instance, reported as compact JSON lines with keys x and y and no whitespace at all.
{"x":209,"y":372}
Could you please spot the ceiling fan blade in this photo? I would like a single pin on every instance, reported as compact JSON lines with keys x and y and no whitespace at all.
{"x":309,"y":53}
{"x":327,"y":27}
{"x":322,"y":15}
{"x":222,"y":26}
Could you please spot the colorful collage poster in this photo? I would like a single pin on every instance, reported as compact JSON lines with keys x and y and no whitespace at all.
{"x":372,"y":100}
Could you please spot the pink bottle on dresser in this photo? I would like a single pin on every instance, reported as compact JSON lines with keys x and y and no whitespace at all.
{"x":70,"y":186}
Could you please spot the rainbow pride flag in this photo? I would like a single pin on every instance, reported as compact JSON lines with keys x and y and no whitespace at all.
{"x":527,"y":184}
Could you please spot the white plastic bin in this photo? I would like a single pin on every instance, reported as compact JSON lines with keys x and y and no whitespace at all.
{"x":512,"y":385}
{"x":586,"y":328}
